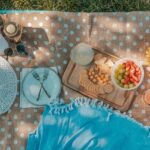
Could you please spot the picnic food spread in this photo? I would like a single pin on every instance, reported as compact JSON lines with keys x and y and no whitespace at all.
{"x":94,"y":80}
{"x":119,"y":34}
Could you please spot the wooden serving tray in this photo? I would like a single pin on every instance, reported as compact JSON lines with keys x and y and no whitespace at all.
{"x":118,"y":99}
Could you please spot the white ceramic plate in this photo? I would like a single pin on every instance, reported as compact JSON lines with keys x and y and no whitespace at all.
{"x":31,"y":87}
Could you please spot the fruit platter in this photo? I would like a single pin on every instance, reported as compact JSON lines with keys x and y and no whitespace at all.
{"x":127,"y":74}
{"x":103,"y":79}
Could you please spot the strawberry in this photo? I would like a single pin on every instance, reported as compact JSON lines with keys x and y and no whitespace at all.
{"x":137,"y":69}
{"x":139,"y":77}
{"x":136,"y":73}
{"x":127,"y":68}
{"x":132,"y":70}
{"x":134,"y":78}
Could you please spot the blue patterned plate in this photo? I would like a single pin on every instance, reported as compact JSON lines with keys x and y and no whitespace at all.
{"x":31,"y":87}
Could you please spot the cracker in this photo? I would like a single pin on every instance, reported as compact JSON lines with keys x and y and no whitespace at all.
{"x":109,"y":63}
{"x":108,"y":88}
{"x":100,"y":61}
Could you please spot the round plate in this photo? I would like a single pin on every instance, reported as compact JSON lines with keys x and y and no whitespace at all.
{"x":31,"y":87}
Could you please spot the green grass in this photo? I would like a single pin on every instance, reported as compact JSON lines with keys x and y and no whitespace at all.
{"x":77,"y":5}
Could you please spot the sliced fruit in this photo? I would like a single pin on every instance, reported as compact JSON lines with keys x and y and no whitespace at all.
{"x":128,"y":74}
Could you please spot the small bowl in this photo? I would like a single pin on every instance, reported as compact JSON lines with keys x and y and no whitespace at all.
{"x":121,"y":61}
{"x":8,"y":33}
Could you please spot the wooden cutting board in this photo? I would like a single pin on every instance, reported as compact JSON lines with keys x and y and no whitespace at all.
{"x":118,"y":99}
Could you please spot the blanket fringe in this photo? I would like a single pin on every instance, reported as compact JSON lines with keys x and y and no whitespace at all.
{"x":95,"y":103}
{"x":108,"y":116}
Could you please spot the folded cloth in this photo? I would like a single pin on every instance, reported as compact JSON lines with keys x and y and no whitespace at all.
{"x":24,"y":103}
{"x":85,"y":124}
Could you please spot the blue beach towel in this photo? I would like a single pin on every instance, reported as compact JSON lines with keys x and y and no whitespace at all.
{"x":85,"y":124}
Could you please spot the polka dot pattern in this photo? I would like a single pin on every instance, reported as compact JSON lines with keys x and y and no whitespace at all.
{"x":49,"y":37}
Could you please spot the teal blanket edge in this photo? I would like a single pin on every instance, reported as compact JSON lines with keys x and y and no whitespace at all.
{"x":20,"y":11}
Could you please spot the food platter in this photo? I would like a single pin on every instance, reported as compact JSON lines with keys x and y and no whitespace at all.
{"x":77,"y":78}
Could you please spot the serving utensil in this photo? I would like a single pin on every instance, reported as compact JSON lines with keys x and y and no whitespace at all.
{"x":44,"y":78}
{"x":37,"y":77}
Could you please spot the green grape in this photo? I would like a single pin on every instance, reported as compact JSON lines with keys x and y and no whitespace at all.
{"x":119,"y":77}
{"x":131,"y":85}
{"x":122,"y":81}
{"x":126,"y":86}
{"x":121,"y":85}
{"x":126,"y":73}
{"x":117,"y":71}
{"x":117,"y":81}
{"x":120,"y":66}
{"x":121,"y":71}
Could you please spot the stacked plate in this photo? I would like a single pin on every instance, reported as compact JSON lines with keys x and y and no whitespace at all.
{"x":8,"y":86}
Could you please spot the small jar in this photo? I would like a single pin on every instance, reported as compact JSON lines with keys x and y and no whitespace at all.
{"x":82,"y":54}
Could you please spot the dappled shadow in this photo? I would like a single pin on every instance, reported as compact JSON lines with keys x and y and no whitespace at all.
{"x":121,"y":34}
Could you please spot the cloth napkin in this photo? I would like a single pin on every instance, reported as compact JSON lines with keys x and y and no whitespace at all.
{"x":24,"y":103}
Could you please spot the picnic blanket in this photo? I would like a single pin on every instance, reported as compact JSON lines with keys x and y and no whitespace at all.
{"x":86,"y":124}
{"x":49,"y":37}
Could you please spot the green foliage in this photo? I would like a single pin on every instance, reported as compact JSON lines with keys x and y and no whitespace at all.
{"x":77,"y":5}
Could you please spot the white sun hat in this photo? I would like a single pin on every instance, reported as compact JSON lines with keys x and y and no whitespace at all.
{"x":8,"y":86}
